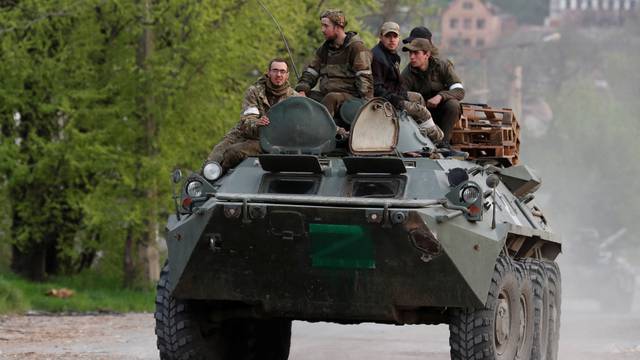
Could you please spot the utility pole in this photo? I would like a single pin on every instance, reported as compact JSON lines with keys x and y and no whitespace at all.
{"x":515,"y":95}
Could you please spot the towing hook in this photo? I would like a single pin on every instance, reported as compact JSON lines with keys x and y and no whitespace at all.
{"x":398,"y":217}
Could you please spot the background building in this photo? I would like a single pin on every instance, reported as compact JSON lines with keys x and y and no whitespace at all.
{"x":469,"y":24}
{"x":591,"y":12}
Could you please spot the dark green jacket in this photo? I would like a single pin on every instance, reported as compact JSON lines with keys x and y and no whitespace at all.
{"x":346,"y":69}
{"x":439,"y":78}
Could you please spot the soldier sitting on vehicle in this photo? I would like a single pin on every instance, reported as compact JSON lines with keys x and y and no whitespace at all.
{"x":342,"y":66}
{"x":242,"y":141}
{"x":437,"y":81}
{"x":387,"y":82}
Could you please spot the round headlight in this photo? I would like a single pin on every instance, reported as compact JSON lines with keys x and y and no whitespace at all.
{"x":470,"y":194}
{"x":194,"y":189}
{"x":212,"y":171}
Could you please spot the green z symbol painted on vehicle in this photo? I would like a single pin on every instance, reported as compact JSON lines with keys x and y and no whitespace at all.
{"x":341,"y":246}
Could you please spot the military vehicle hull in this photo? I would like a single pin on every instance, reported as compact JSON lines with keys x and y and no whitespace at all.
{"x":323,"y":262}
{"x":372,"y":236}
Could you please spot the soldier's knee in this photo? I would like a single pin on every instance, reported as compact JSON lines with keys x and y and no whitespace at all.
{"x":451,"y":106}
{"x":333,"y":100}
{"x":238,"y":152}
{"x":415,"y":97}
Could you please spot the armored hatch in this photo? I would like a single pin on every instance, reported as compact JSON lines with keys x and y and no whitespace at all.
{"x":298,"y":125}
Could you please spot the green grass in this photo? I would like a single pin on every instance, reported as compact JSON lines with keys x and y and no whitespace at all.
{"x":92,"y":292}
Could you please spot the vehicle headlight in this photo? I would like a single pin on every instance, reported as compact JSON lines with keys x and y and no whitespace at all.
{"x":470,"y":194}
{"x":194,"y":188}
{"x":212,"y":171}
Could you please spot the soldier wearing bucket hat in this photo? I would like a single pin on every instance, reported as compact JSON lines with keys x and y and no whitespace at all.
{"x":436,"y":81}
{"x":387,"y":81}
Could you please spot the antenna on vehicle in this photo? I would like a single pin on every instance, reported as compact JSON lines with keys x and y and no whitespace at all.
{"x":284,"y":39}
{"x":492,"y":182}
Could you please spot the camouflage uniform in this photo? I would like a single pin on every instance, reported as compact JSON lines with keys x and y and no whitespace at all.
{"x":344,"y":72}
{"x":243,"y":140}
{"x":417,"y":109}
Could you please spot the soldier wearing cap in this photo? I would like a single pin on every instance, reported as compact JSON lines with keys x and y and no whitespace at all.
{"x":242,"y":141}
{"x":387,"y":82}
{"x":342,"y":65}
{"x":436,"y":80}
{"x":418,"y":32}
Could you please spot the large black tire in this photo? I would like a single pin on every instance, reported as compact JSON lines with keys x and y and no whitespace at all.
{"x":527,"y":311}
{"x":545,"y":276}
{"x":554,"y":288}
{"x":185,"y":332}
{"x":491,"y":332}
{"x":538,"y":276}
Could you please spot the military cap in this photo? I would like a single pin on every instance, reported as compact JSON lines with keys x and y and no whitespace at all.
{"x":418,"y":32}
{"x":388,"y":27}
{"x":418,"y":44}
{"x":336,"y":16}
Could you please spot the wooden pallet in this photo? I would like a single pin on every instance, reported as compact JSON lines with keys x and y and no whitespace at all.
{"x":494,"y":136}
{"x":488,"y":134}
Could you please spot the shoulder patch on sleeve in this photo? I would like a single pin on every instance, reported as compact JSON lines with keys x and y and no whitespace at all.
{"x":251,"y":110}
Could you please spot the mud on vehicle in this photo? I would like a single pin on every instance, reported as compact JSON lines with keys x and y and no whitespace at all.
{"x":383,"y":228}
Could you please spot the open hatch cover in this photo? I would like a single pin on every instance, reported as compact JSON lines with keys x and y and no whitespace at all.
{"x":375,"y":129}
{"x":298,"y":125}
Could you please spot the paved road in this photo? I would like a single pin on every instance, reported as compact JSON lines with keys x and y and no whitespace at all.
{"x":586,"y":335}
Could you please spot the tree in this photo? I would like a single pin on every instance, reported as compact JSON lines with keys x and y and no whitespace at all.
{"x":103,"y":99}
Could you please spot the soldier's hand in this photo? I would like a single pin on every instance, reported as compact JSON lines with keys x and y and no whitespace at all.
{"x":341,"y":133}
{"x":263,"y":121}
{"x":434,"y":101}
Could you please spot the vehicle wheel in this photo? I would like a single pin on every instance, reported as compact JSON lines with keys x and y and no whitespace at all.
{"x":554,"y":288}
{"x":184,"y":332}
{"x":181,"y":330}
{"x":538,"y":277}
{"x":492,"y":332}
{"x":527,"y":310}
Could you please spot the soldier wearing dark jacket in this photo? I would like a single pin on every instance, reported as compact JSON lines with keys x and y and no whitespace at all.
{"x":342,"y":66}
{"x":437,"y":81}
{"x":387,"y":82}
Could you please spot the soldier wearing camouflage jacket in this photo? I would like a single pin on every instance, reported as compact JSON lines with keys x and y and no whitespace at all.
{"x":242,"y":140}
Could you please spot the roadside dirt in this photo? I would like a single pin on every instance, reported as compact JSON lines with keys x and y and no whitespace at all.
{"x":101,"y":337}
{"x":584,"y":336}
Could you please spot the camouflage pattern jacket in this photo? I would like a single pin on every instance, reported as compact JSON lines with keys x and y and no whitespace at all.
{"x":438,"y":79}
{"x":256,"y":103}
{"x":346,"y":69}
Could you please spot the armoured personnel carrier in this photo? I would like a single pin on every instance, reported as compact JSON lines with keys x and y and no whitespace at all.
{"x":384,"y":229}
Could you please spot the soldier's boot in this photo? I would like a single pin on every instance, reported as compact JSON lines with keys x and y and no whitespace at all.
{"x":431,"y":130}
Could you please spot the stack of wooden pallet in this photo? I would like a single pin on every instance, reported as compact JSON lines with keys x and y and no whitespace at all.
{"x":488,"y":134}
